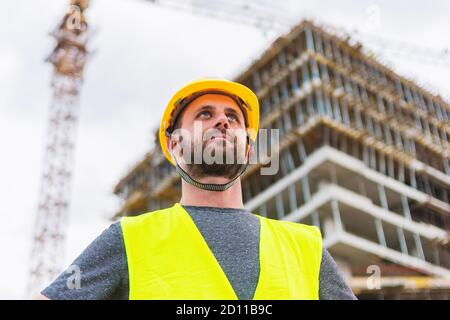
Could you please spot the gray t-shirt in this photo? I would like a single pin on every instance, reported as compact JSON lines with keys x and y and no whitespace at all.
{"x":231,"y":234}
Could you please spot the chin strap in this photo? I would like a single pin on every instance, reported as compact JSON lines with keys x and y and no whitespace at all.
{"x":210,"y":186}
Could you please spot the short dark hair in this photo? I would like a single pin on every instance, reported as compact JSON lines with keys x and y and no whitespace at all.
{"x":177,"y":122}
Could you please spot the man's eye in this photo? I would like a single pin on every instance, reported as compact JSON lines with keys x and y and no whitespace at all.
{"x":232,"y":117}
{"x":204,"y":114}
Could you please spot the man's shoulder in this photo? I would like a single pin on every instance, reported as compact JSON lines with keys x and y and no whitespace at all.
{"x":150,"y":217}
{"x":109,"y":238}
{"x":103,"y":267}
{"x":294,"y":227}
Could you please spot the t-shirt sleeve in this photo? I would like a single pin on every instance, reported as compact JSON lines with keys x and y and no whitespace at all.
{"x":100,"y":272}
{"x":332,"y":285}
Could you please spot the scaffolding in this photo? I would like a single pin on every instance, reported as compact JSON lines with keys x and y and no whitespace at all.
{"x":364,"y":155}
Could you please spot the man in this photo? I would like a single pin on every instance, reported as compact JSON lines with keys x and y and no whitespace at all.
{"x":206,"y":246}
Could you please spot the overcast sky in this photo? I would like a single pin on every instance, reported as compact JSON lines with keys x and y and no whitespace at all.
{"x":143,"y":54}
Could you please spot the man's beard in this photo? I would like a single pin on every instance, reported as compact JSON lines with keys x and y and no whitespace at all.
{"x":220,"y":167}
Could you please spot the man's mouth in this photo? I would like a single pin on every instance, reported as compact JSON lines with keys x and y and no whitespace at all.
{"x":220,"y":138}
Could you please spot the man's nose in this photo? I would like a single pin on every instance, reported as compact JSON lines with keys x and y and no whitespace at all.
{"x":222,"y":121}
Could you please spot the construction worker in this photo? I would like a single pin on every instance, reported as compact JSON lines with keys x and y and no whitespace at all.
{"x":206,"y":246}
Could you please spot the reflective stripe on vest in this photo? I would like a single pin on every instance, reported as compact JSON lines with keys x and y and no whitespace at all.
{"x":168,"y":258}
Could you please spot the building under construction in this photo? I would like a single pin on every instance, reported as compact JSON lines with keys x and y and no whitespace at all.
{"x":364,"y":155}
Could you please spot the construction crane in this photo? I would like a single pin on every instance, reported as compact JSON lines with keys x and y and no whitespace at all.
{"x":266,"y":15}
{"x":405,"y":49}
{"x":378,"y":44}
{"x":395,"y":49}
{"x":69,"y":58}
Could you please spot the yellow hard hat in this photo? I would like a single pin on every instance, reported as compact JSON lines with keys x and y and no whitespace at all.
{"x":245,"y":98}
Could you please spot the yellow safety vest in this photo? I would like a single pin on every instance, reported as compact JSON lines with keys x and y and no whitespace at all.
{"x":168,"y":258}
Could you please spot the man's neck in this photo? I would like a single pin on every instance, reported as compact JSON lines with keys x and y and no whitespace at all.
{"x":230,"y":198}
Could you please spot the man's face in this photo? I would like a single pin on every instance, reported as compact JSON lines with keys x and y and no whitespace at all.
{"x":213,"y":137}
